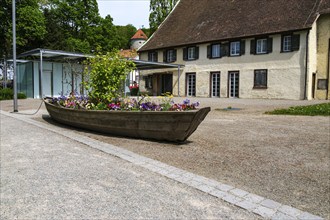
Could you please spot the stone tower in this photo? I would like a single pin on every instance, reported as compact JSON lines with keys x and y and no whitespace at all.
{"x":138,"y":40}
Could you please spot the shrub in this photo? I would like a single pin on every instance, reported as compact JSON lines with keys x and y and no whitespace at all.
{"x":106,"y":74}
{"x":7,"y":94}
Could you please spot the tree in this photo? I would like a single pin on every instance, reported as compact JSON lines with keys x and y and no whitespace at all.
{"x":72,"y":22}
{"x":124,"y":34}
{"x":159,"y":10}
{"x":30,"y":26}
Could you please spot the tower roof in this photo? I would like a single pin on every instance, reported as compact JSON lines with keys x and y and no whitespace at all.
{"x":139,"y":35}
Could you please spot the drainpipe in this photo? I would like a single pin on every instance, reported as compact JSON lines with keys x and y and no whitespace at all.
{"x":179,"y":81}
{"x":328,"y":70}
{"x":306,"y":63}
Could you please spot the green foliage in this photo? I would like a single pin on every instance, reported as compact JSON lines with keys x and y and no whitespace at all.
{"x":311,"y":110}
{"x":159,"y":9}
{"x":106,"y":75}
{"x":30,"y":26}
{"x":7,"y":94}
{"x":70,"y":25}
{"x":124,"y":35}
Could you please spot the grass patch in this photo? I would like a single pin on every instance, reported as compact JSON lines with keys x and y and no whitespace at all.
{"x":311,"y":110}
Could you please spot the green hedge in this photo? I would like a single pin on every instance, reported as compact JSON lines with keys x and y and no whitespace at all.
{"x":7,"y":94}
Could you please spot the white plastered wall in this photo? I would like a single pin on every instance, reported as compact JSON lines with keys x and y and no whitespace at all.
{"x":286,"y":71}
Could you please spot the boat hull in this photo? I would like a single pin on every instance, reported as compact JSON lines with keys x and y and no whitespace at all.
{"x":171,"y":126}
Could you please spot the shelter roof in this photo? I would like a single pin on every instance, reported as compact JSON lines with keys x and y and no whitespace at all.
{"x":53,"y":54}
{"x":58,"y":55}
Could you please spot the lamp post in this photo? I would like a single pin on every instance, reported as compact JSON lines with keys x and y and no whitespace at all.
{"x":14,"y":55}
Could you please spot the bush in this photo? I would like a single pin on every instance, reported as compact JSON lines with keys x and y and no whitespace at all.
{"x":21,"y":95}
{"x":7,"y":94}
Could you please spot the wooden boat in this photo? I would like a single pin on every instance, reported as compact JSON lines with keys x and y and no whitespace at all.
{"x":174,"y":126}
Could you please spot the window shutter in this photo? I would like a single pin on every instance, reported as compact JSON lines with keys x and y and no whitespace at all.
{"x":196,"y":53}
{"x":185,"y":53}
{"x":224,"y":50}
{"x":295,"y":42}
{"x":165,"y":56}
{"x":242,"y":46}
{"x":209,"y":51}
{"x":269,"y":45}
{"x":149,"y":56}
{"x":253,"y":47}
{"x":174,"y":55}
{"x":156,"y":56}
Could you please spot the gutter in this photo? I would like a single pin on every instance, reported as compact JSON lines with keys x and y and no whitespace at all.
{"x":306,"y":63}
{"x":328,"y":71}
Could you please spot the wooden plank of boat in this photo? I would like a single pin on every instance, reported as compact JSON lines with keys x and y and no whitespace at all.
{"x":172,"y":126}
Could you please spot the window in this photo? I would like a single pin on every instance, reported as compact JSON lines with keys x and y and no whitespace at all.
{"x":191,"y":84}
{"x":235,"y":48}
{"x":190,"y":53}
{"x":261,"y":46}
{"x":148,"y":82}
{"x":290,"y":42}
{"x":153,"y":56}
{"x":286,"y":45}
{"x":169,"y":56}
{"x":260,"y":79}
{"x":215,"y":50}
{"x":215,"y":84}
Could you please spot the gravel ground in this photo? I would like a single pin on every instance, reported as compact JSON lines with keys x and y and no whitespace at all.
{"x":284,"y":158}
{"x":58,"y":178}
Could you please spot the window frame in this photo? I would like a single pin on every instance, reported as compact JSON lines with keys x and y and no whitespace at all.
{"x":294,"y":43}
{"x":170,"y":56}
{"x":191,"y":53}
{"x":153,"y":56}
{"x":187,"y":84}
{"x":263,"y":46}
{"x":237,"y":49}
{"x":212,"y":51}
{"x":286,"y":47}
{"x":261,"y":85}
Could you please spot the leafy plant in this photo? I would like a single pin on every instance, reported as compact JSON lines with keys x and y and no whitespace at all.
{"x":311,"y":110}
{"x":7,"y":94}
{"x":106,"y":74}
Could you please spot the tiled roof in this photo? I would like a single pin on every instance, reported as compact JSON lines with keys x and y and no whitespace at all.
{"x":193,"y":21}
{"x":139,"y":35}
{"x":128,"y":53}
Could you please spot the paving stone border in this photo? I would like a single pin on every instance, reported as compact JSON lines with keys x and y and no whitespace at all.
{"x":257,"y":204}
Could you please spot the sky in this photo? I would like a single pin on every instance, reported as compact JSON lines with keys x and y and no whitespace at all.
{"x":124,"y":12}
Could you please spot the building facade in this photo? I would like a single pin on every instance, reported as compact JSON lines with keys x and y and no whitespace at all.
{"x":276,"y":56}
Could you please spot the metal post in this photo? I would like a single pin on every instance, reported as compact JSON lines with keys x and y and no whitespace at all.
{"x":40,"y":76}
{"x":14,"y":55}
{"x":179,"y":81}
{"x":5,"y":74}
